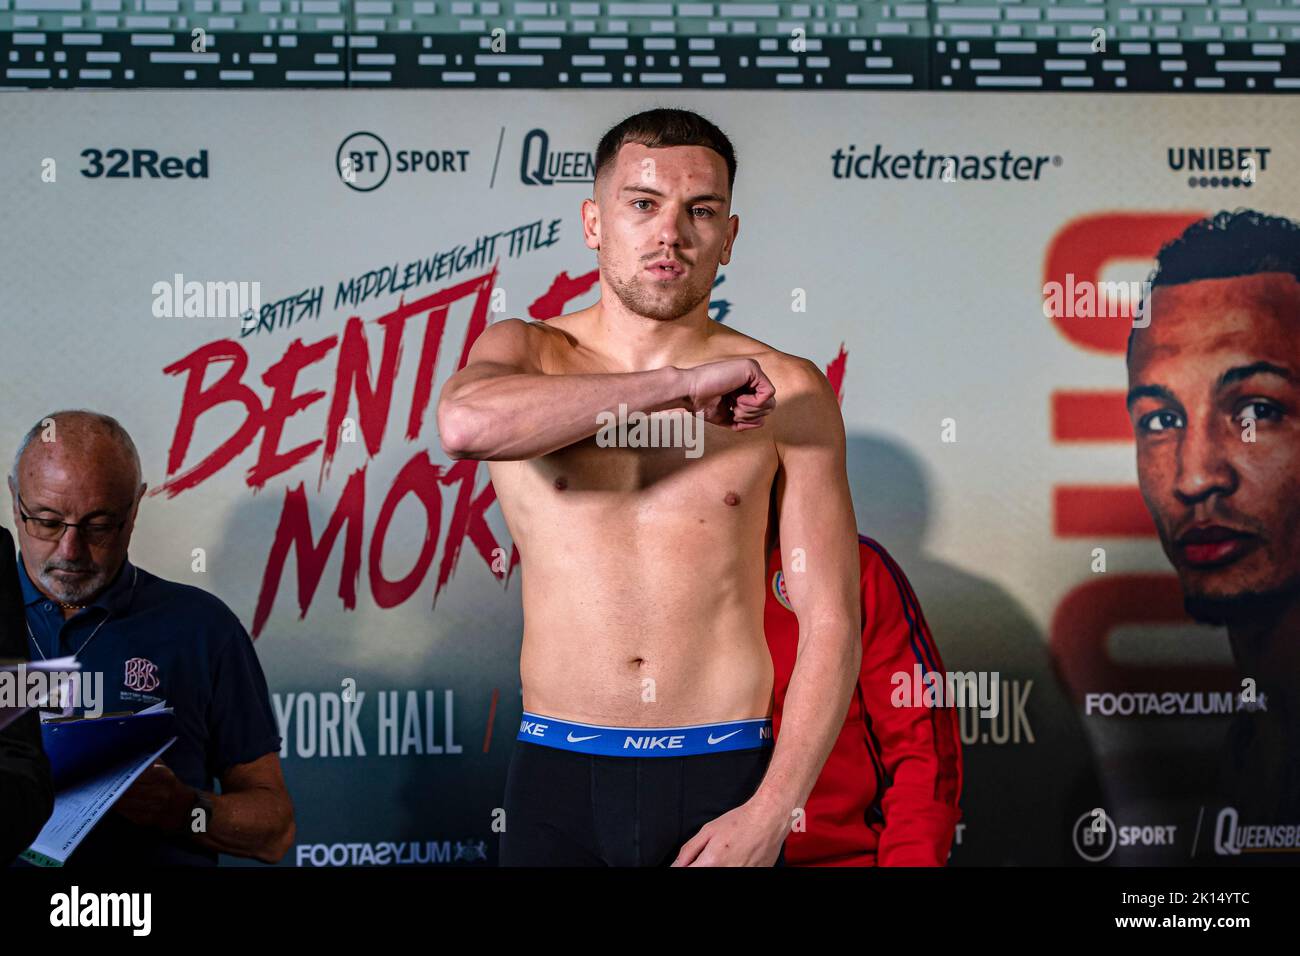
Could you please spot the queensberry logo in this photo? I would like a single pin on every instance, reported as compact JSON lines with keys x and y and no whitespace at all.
{"x":539,"y":165}
{"x":879,"y":163}
{"x":1232,"y":837}
{"x":1229,"y":167}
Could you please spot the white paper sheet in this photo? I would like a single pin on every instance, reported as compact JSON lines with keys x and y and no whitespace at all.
{"x":78,"y":808}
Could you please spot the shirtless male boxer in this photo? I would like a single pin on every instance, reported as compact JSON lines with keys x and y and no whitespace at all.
{"x":647,"y":682}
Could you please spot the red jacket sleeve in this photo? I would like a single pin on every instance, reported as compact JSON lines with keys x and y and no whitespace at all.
{"x":919,"y":747}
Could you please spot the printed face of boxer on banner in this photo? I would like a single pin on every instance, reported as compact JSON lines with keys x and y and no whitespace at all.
{"x":1215,"y":404}
{"x":658,"y":204}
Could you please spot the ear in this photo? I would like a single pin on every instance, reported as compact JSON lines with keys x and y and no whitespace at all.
{"x":591,"y":223}
{"x":726,"y":246}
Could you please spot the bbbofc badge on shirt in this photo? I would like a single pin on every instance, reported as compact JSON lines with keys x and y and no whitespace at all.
{"x":139,"y":678}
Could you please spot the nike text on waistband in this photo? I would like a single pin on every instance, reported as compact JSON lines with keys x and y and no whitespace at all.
{"x":646,"y":741}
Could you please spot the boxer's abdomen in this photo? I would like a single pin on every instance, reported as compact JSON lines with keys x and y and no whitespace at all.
{"x":643,"y":580}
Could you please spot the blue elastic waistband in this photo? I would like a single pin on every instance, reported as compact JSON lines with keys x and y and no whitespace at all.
{"x":646,"y":741}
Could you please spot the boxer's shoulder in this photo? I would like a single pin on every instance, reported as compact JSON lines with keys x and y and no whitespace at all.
{"x":790,"y":374}
{"x":726,"y":342}
{"x":556,"y":344}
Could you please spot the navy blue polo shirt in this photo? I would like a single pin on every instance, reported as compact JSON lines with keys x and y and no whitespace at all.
{"x":157,"y":641}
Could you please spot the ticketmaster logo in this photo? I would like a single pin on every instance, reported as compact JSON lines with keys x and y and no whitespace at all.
{"x":941,"y":167}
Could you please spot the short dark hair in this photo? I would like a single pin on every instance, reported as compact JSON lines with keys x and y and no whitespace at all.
{"x":1230,"y":244}
{"x":1227,"y":245}
{"x":659,"y":128}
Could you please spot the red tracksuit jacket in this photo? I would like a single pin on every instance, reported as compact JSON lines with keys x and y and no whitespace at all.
{"x":888,"y":793}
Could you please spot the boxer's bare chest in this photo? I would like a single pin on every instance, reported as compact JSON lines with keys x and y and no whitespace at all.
{"x":666,"y":468}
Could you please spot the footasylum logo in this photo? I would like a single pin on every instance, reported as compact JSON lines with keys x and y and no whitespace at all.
{"x":406,"y":853}
{"x":1200,"y":703}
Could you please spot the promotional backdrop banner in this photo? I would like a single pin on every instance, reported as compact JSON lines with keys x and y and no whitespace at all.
{"x":269,"y":290}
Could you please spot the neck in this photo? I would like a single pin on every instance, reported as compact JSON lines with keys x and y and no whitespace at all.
{"x":636,"y":343}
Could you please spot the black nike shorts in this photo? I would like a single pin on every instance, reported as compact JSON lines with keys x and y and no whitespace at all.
{"x":573,"y":809}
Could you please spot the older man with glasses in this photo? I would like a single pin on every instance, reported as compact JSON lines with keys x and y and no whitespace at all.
{"x":76,"y":487}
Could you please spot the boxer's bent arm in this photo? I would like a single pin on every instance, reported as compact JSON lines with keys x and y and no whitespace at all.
{"x":501,"y":407}
{"x":814,"y":514}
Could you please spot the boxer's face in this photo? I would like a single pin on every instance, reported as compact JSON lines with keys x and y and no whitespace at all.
{"x":1218,"y":354}
{"x":654,"y":204}
{"x":89,"y":484}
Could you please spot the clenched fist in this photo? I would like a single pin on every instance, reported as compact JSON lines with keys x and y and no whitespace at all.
{"x":733,"y":392}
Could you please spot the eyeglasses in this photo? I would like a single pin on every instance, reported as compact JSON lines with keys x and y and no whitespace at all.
{"x":96,"y":533}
